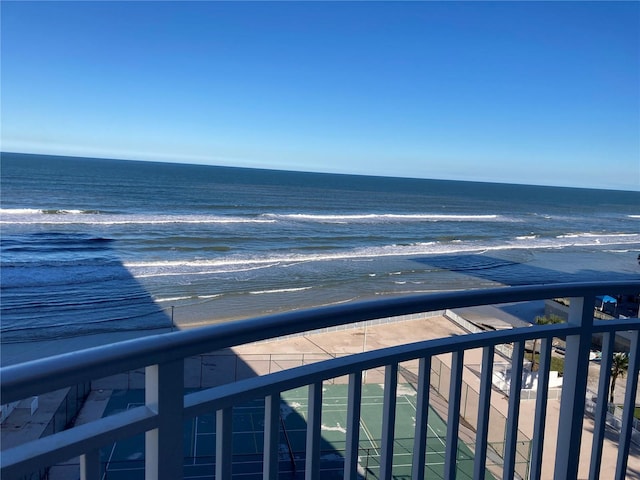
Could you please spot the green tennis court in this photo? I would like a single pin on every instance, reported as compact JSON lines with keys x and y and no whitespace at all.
{"x":125,"y":459}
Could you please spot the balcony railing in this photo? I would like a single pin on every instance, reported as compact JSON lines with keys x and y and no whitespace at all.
{"x":166,"y":405}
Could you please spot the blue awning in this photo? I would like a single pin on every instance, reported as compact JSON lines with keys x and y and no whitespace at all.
{"x":607,"y":299}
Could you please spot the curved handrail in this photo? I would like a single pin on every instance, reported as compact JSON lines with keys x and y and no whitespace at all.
{"x":38,"y":376}
{"x":227,"y":395}
{"x":140,"y":419}
{"x":165,"y":354}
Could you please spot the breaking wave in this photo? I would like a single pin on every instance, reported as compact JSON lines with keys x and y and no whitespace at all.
{"x":385,"y":217}
{"x":240,"y":263}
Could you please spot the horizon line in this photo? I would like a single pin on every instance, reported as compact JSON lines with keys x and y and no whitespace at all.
{"x":316,"y":172}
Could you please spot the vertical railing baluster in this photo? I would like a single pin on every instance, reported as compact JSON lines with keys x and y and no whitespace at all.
{"x":354,"y":401}
{"x":628,"y":409}
{"x":271,"y":436}
{"x":422,"y":419}
{"x":314,"y":432}
{"x":542,"y":396}
{"x":515,"y":388}
{"x":453,"y":417}
{"x":602,"y":404}
{"x":164,"y":394}
{"x":484,"y":404}
{"x":224,"y":443}
{"x":90,"y":465}
{"x":574,"y":388}
{"x":388,"y":420}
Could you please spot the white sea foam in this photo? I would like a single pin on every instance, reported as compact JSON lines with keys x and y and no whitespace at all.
{"x":174,"y":221}
{"x":174,"y":299}
{"x":69,"y":212}
{"x":89,"y":217}
{"x":229,"y":261}
{"x":150,"y":269}
{"x":20,"y":211}
{"x":280,"y":290}
{"x":234,"y":264}
{"x":188,"y":297}
{"x":51,"y":212}
{"x":599,"y":235}
{"x":383,"y":217}
{"x":28,"y":216}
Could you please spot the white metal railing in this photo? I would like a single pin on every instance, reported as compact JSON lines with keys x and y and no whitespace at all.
{"x":614,"y":418}
{"x":166,"y":405}
{"x":504,"y":350}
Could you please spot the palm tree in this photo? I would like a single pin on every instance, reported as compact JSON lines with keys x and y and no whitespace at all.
{"x":542,"y":320}
{"x":619,"y":367}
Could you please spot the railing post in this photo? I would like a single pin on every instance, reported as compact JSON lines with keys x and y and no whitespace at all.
{"x":629,"y":407}
{"x":515,"y":388}
{"x":422,"y":418}
{"x":453,"y":421}
{"x":224,"y":443}
{"x":353,"y":425}
{"x":271,"y":436}
{"x":90,"y":465}
{"x":574,"y":389}
{"x":602,"y":403}
{"x":388,"y":420}
{"x":484,"y":404}
{"x":164,"y":394}
{"x":314,"y":434}
{"x":542,"y":398}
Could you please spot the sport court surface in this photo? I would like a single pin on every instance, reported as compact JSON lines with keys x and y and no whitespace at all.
{"x":125,"y":459}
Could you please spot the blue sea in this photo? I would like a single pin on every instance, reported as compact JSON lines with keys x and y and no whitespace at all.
{"x":99,"y":245}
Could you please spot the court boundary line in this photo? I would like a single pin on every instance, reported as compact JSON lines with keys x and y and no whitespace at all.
{"x":299,"y":406}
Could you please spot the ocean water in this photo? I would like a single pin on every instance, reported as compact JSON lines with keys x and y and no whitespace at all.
{"x":96,"y":245}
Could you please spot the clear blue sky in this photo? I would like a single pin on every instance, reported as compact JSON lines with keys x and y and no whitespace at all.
{"x":541,"y":92}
